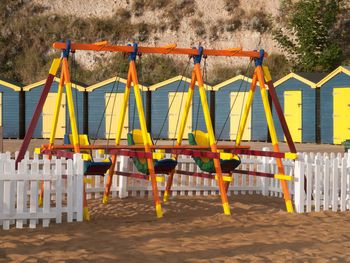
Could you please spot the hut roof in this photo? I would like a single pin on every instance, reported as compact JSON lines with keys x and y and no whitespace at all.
{"x":16,"y":86}
{"x":343,"y":69}
{"x":309,"y":78}
{"x":77,"y":85}
{"x":111,"y":80}
{"x":174,"y":79}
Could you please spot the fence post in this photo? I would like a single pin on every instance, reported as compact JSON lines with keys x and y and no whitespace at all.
{"x":79,"y":174}
{"x":265,"y":168}
{"x":299,"y":186}
{"x":123,"y":180}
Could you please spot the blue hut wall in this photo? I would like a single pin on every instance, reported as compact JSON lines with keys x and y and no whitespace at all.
{"x":160,"y":106}
{"x":96,"y":108}
{"x":308,"y":97}
{"x":10,"y":112}
{"x":326,"y":104}
{"x":222,"y":111}
{"x":32,"y":97}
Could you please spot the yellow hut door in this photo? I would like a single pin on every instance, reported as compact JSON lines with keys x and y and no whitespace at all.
{"x":292,"y":113}
{"x":48,"y":116}
{"x":238,"y":102}
{"x":175,"y":114}
{"x":113,"y":102}
{"x":341,"y":115}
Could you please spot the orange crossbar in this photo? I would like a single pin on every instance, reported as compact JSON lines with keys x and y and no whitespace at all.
{"x":171,"y":49}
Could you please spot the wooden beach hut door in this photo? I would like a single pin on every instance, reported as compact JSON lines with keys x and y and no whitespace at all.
{"x":292,"y":113}
{"x":48,"y":116}
{"x":177,"y":108}
{"x":341,"y":115}
{"x":113,"y":103}
{"x":238,"y":102}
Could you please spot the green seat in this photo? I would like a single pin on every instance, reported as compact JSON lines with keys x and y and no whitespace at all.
{"x":207,"y":164}
{"x":161,"y":165}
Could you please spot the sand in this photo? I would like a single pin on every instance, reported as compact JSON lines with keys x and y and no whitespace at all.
{"x":193,"y":229}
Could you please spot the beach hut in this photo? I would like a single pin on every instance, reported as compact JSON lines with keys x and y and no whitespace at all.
{"x":335,"y":106}
{"x":11,"y":105}
{"x":298,"y":96}
{"x":230,"y":100}
{"x":168,"y":104}
{"x":43,"y":128}
{"x":104,"y":108}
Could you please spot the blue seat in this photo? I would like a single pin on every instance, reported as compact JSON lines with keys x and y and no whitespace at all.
{"x":90,"y":166}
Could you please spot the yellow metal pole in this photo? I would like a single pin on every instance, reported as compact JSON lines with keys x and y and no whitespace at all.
{"x":123,"y":114}
{"x":57,"y":111}
{"x":272,"y":130}
{"x":246,"y":110}
{"x":71,"y":106}
{"x":145,"y":138}
{"x":212,"y":138}
{"x":118,"y":137}
{"x":181,"y":132}
{"x":186,"y":110}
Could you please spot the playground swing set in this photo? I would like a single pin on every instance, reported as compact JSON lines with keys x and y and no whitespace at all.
{"x":214,"y":160}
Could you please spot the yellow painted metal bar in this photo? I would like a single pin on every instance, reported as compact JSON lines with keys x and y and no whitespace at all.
{"x":117,"y":140}
{"x":54,"y":66}
{"x":123,"y":112}
{"x":71,"y":106}
{"x":212,"y":142}
{"x":272,"y":130}
{"x":290,"y":156}
{"x":186,"y":110}
{"x":57,"y":110}
{"x":283,"y":177}
{"x":145,"y":138}
{"x":225,"y":178}
{"x":246,"y":110}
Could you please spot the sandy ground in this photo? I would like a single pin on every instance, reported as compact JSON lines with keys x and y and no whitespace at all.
{"x":193,"y":229}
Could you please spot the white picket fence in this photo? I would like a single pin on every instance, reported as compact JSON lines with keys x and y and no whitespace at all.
{"x":19,"y":191}
{"x":327,"y":180}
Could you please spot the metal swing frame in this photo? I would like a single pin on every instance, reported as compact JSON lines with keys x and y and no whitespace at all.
{"x":117,"y":149}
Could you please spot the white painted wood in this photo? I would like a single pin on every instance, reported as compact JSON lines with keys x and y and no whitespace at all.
{"x":335,"y":177}
{"x":343,"y":185}
{"x":326,"y":184}
{"x":123,"y":180}
{"x":308,"y":184}
{"x":299,"y":186}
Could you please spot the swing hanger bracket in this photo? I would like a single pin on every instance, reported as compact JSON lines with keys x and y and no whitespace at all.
{"x":65,"y":52}
{"x":133,"y":55}
{"x":258,"y":61}
{"x":197,"y":58}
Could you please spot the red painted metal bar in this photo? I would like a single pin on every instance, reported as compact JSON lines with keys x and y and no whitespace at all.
{"x":141,"y":147}
{"x":133,"y":175}
{"x":259,"y":153}
{"x":212,"y":176}
{"x":234,"y":52}
{"x":66,"y":154}
{"x":281,"y":117}
{"x":254,"y":173}
{"x":58,"y":153}
{"x":177,"y":150}
{"x":35,"y":118}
